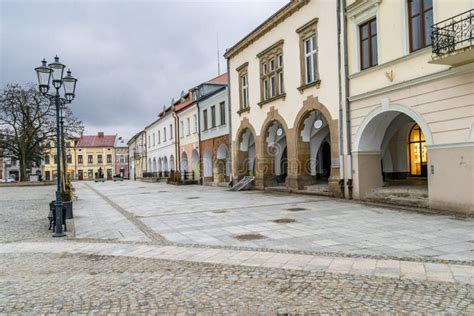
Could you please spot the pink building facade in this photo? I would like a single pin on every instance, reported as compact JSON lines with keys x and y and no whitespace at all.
{"x":121,"y":158}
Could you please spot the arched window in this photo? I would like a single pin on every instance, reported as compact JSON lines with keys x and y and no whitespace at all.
{"x":417,"y":150}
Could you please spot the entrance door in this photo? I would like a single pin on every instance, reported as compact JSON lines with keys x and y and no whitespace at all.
{"x":326,"y":160}
{"x":81,"y":175}
{"x":418,"y":155}
{"x":47,"y":175}
{"x":283,"y":166}
{"x":109,"y":174}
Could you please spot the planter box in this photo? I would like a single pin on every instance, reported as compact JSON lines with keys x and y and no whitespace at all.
{"x":68,"y":206}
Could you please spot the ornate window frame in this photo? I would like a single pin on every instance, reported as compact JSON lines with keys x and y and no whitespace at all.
{"x":308,"y":30}
{"x":271,"y":73}
{"x":242,"y":71}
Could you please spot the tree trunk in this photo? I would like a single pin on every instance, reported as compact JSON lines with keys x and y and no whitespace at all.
{"x":23,"y":167}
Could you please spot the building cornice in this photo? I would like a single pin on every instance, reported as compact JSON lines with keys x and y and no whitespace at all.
{"x":453,"y":145}
{"x":266,"y":27}
{"x":409,"y":83}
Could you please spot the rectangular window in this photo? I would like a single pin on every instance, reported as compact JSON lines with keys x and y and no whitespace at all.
{"x":149,"y":141}
{"x":195,"y":121}
{"x":272,"y":64}
{"x":154,"y":139}
{"x":89,"y":159}
{"x":79,"y":159}
{"x":280,"y":83}
{"x":280,"y":60}
{"x":164,"y":134}
{"x":204,"y":117}
{"x":109,"y":158}
{"x":171,"y":131}
{"x":265,"y":89}
{"x":182,"y":129}
{"x":213,"y":116}
{"x":159,"y":137}
{"x":222,"y":108}
{"x":244,"y":94}
{"x":272,"y":86}
{"x":46,"y":160}
{"x":310,"y":58}
{"x":99,"y":159}
{"x":368,"y":44}
{"x":69,"y":158}
{"x":420,"y":19}
{"x":188,"y":127}
{"x":264,"y":68}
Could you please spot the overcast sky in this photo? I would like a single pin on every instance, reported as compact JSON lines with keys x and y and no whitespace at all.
{"x":131,"y":57}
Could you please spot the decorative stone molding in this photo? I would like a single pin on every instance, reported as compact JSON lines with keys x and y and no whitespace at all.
{"x":273,"y":115}
{"x":362,"y":8}
{"x":277,"y":18}
{"x":307,"y":30}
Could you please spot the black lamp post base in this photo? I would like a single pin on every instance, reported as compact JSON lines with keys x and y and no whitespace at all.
{"x":59,"y":235}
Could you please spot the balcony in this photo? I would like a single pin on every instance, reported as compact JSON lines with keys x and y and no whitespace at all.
{"x":453,"y":40}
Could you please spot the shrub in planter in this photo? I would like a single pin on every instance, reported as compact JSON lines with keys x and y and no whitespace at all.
{"x":68,"y":195}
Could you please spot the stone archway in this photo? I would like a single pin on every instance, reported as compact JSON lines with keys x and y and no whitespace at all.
{"x":172,"y":163}
{"x":271,"y":147}
{"x":222,"y":168}
{"x":195,"y":164}
{"x":316,"y":151}
{"x":381,"y":156}
{"x":184,"y":162}
{"x":154,"y":168}
{"x":244,"y":151}
{"x":165,"y":166}
{"x":160,"y":165}
{"x":207,"y":165}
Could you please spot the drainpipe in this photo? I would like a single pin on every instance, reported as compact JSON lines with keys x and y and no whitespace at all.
{"x":230,"y":125}
{"x":201,"y":171}
{"x":341,"y":118}
{"x":348,"y":106}
{"x":176,"y":134}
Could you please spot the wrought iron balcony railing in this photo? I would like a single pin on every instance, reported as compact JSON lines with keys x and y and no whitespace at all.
{"x":453,"y":34}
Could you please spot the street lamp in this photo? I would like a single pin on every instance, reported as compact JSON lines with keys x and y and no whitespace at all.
{"x":56,"y":71}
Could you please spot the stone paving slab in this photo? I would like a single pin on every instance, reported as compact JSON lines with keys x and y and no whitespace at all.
{"x":215,"y":216}
{"x":97,"y":219}
{"x":452,"y":273}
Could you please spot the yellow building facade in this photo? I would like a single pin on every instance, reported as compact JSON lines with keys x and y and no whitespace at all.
{"x":95,"y":157}
{"x":49,"y":168}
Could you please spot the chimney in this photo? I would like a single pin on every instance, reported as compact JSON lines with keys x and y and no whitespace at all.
{"x":100,"y":134}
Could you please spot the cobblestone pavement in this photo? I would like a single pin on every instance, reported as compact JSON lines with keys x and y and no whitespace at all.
{"x":35,"y":283}
{"x":23,"y":212}
{"x":123,"y":263}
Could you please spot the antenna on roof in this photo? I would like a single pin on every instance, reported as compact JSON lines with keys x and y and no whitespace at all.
{"x":218,"y":56}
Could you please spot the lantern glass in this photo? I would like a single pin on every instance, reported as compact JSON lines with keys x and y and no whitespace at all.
{"x":69,"y":84}
{"x":58,"y":70}
{"x":44,"y":76}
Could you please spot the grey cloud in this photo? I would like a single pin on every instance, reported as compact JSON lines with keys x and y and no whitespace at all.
{"x":131,"y":57}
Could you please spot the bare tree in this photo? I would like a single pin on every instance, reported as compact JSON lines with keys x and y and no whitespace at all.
{"x":28,"y":125}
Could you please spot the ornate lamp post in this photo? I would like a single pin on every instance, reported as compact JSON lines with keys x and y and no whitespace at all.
{"x":56,"y":71}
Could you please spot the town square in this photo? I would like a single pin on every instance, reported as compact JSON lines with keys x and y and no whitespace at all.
{"x":280,"y":157}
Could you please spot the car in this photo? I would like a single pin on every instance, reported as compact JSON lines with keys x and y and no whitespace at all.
{"x":7,"y":180}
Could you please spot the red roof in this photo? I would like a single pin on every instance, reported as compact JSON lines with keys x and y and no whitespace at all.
{"x":96,"y":141}
{"x":222,"y":79}
{"x":183,"y":105}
